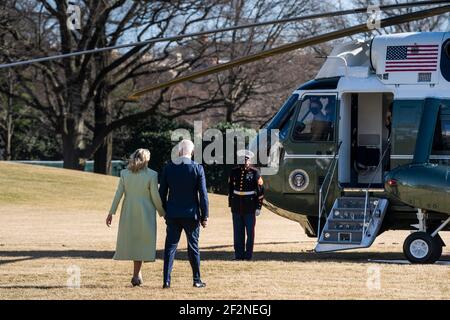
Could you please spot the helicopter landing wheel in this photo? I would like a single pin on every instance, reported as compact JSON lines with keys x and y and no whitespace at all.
{"x":421,"y":248}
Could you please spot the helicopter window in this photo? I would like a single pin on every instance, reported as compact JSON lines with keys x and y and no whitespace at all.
{"x":315,"y":121}
{"x":447,"y":49}
{"x":441,"y":142}
{"x":405,"y":123}
{"x":284,"y":127}
{"x":283,"y":115}
{"x":445,"y":60}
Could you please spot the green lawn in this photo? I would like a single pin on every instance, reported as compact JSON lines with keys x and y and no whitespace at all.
{"x":52,"y":220}
{"x":22,"y":184}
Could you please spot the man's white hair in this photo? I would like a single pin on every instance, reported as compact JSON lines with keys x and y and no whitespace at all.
{"x":185,"y":147}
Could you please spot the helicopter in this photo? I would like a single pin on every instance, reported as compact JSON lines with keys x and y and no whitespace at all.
{"x":369,"y":139}
{"x":365,"y":146}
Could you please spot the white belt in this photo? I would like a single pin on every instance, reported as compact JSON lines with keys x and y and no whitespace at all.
{"x":244,"y":193}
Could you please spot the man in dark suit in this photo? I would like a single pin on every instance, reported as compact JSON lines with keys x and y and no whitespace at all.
{"x":185,"y":200}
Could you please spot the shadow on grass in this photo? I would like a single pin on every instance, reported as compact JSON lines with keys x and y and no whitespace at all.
{"x":48,"y":254}
{"x":206,"y":255}
{"x":46,"y":287}
{"x":43,"y":287}
{"x":15,"y":260}
{"x":213,"y":253}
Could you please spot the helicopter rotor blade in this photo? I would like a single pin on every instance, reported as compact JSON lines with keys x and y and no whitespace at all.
{"x":295,"y":45}
{"x":206,"y":32}
{"x":301,"y":18}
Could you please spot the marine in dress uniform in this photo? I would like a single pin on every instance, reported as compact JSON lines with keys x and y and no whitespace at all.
{"x":245,"y":197}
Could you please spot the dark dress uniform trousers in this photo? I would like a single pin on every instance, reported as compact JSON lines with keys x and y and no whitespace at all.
{"x":242,"y":224}
{"x":245,"y":196}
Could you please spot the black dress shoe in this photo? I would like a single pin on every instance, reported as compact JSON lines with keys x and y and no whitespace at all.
{"x":136,"y":281}
{"x":199,"y":284}
{"x":166,"y":285}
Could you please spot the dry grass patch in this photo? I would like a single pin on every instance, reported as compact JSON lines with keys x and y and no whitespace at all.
{"x":53,"y":219}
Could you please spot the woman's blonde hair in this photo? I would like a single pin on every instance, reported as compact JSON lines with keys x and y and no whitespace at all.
{"x":138,"y":160}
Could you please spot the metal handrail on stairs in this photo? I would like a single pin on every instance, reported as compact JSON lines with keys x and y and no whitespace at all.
{"x":367,"y":202}
{"x":331,"y":170}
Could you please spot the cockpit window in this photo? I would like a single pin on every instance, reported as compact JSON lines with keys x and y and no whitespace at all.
{"x":445,"y":60}
{"x":284,"y":127}
{"x":447,"y":49}
{"x":283,"y":114}
{"x":316,"y":119}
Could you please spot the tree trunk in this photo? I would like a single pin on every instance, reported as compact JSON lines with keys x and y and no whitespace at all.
{"x":71,"y":154}
{"x":102,"y":104}
{"x":73,"y":131}
{"x":229,"y":113}
{"x":9,"y":134}
{"x":103,"y":155}
{"x":9,"y":121}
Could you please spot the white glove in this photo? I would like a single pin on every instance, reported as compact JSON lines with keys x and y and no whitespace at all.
{"x":257,"y":212}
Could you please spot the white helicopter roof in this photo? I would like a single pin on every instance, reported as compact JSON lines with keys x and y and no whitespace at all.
{"x":407,"y":64}
{"x":347,"y":59}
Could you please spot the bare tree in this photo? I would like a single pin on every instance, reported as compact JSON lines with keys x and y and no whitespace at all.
{"x":7,"y":116}
{"x":240,"y":86}
{"x":7,"y":112}
{"x":78,"y":94}
{"x":84,"y":98}
{"x":252,"y":93}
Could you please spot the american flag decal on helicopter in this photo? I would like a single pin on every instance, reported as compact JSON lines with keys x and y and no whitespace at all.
{"x":412,"y":58}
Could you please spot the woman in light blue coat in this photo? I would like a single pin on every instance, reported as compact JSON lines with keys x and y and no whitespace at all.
{"x":136,"y":239}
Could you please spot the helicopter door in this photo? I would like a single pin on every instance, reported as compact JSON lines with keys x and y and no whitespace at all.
{"x":369,"y":124}
{"x":310,"y":144}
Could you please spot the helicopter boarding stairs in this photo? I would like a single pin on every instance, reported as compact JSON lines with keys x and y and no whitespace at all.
{"x":353,"y":222}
